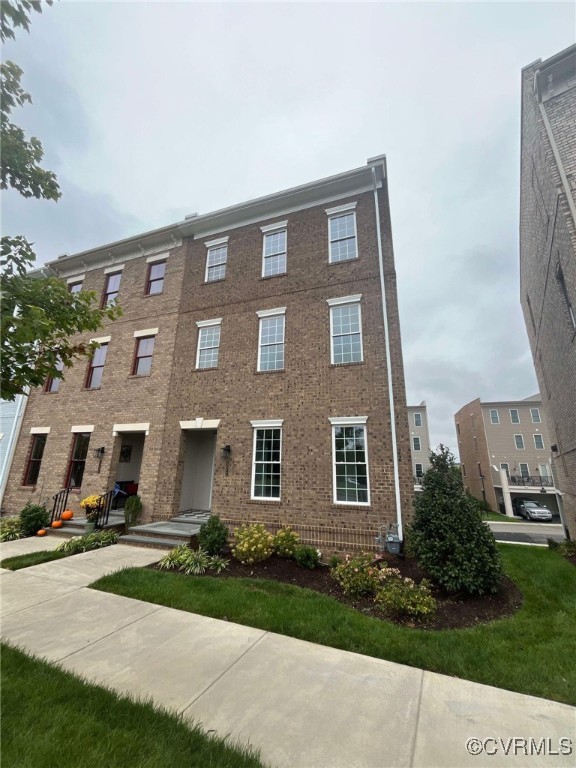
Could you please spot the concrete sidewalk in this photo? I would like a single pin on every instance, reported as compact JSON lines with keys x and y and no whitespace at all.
{"x":303,"y":705}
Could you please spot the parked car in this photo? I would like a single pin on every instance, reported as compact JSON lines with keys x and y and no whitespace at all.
{"x":531,"y":510}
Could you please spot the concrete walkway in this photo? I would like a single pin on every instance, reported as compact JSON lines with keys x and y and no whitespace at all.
{"x":303,"y":705}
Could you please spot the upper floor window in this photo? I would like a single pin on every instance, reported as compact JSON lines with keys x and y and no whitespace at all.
{"x":75,"y":287}
{"x":35,"y":459}
{"x":111,"y":289}
{"x":216,"y":259}
{"x":342,"y":233}
{"x":274,"y":249}
{"x":524,"y":470}
{"x":350,"y":456}
{"x":519,"y":442}
{"x":417,"y":419}
{"x":535,"y":414}
{"x":143,"y":356}
{"x":346,"y":330}
{"x":506,"y":467}
{"x":208,"y":343}
{"x":514,"y":416}
{"x":53,"y":382}
{"x":494,"y":416}
{"x":539,"y":442}
{"x":267,"y":459}
{"x":419,"y":470}
{"x":77,"y":461}
{"x":155,"y":279}
{"x":271,"y":339}
{"x":96,"y":369}
{"x":416,"y":444}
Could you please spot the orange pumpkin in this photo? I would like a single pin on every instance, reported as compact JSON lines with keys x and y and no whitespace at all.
{"x":57,"y":524}
{"x":41,"y":532}
{"x":67,"y":515}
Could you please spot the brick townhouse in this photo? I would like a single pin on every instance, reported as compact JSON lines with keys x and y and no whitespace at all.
{"x":252,"y":373}
{"x":548,"y":253}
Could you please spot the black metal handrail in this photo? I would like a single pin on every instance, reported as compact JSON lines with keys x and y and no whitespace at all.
{"x":59,"y":504}
{"x":103,"y":509}
{"x":531,"y":480}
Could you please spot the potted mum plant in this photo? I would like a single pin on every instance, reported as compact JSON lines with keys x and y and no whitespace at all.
{"x":91,"y":506}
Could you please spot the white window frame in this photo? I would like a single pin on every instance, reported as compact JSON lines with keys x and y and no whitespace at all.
{"x":539,"y":419}
{"x":265,"y":424}
{"x":517,"y":412}
{"x":547,"y":474}
{"x":274,"y":229}
{"x":414,"y":443}
{"x":524,"y":464}
{"x":264,"y":314}
{"x":416,"y":465}
{"x":538,"y":448}
{"x":504,"y":465}
{"x":201,"y":324}
{"x":339,"y":302}
{"x":415,"y":421}
{"x":349,"y":421}
{"x":221,"y":242}
{"x":497,"y":419}
{"x":518,"y":448}
{"x":334,"y":213}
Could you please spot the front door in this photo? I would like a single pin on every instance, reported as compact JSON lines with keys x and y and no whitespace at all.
{"x":198,"y":470}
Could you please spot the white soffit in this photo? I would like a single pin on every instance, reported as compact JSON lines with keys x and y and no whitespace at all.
{"x":200,"y":423}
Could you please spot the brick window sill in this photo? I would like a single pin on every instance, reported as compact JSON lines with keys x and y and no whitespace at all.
{"x":266,"y":373}
{"x":347,"y":505}
{"x":92,"y":389}
{"x":211,"y":282}
{"x":265,"y":501}
{"x":139,"y":375}
{"x":271,"y":277}
{"x":347,"y":365}
{"x":151,"y":295}
{"x":203,"y":370}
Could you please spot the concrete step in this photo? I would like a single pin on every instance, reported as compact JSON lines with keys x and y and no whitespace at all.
{"x":196,"y":517}
{"x":77,"y":527}
{"x":166,"y":528}
{"x":153,"y":542}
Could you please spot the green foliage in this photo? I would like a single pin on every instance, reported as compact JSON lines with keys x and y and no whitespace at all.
{"x":307,"y":557}
{"x":334,"y":561}
{"x":357,"y":575}
{"x":88,"y":542}
{"x":285,"y":542}
{"x":401,"y":596}
{"x":449,"y":539}
{"x":218,"y":564}
{"x":16,"y":13}
{"x":196,"y":563}
{"x":32,"y":558}
{"x":175,"y":558}
{"x":10,"y":528}
{"x":253,"y":544}
{"x":193,"y":562}
{"x":32,"y":518}
{"x":213,"y":535}
{"x":566,"y":548}
{"x":132,"y":510}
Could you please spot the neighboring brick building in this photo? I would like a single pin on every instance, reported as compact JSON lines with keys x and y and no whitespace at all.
{"x":505,"y":452}
{"x":248,"y":375}
{"x":419,"y":441}
{"x":548,"y":252}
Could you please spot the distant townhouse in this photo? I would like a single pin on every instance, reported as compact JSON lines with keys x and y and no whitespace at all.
{"x":505,"y":452}
{"x":419,"y":441}
{"x":256,"y":372}
{"x":548,"y":253}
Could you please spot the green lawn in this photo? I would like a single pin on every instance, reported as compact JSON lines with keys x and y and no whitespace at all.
{"x":531,"y":652}
{"x":497,"y":518}
{"x":52,"y":718}
{"x":33,"y":558}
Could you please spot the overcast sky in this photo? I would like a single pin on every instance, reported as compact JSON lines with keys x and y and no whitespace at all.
{"x":150,"y":111}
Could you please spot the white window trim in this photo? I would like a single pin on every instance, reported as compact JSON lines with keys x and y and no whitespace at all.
{"x":494,"y":410}
{"x":341,"y":209}
{"x":207,"y":324}
{"x":523,"y":443}
{"x":419,"y":441}
{"x":114,"y":270}
{"x":218,"y":242}
{"x":337,"y":303}
{"x":416,"y":465}
{"x":524,"y":464}
{"x":269,"y":230}
{"x":215,"y":244}
{"x":417,"y":414}
{"x":265,"y":313}
{"x":40,"y":430}
{"x":75,"y":279}
{"x":265,"y":424}
{"x":82,"y":428}
{"x":146,"y":332}
{"x":271,"y":312}
{"x":154,"y":259}
{"x":541,"y":438}
{"x":274,"y":227}
{"x":532,"y":415}
{"x":505,"y":467}
{"x":516,"y":411}
{"x":142,"y":426}
{"x":349,"y":421}
{"x":334,"y":215}
{"x":102,"y":339}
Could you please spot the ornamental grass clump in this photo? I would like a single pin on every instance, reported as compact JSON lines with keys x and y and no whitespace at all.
{"x":401,"y":596}
{"x":285,"y":542}
{"x":87,"y":543}
{"x":10,"y":529}
{"x":358,"y":576}
{"x":253,"y":544}
{"x":192,"y":562}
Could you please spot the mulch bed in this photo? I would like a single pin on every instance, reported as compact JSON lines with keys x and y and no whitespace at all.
{"x":454,"y":611}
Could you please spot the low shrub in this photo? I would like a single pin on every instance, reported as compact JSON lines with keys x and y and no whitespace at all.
{"x":253,"y":544}
{"x":553,"y":544}
{"x":88,"y":542}
{"x":132,"y":510}
{"x":334,"y":561}
{"x":175,"y":558}
{"x":196,"y":563}
{"x":193,"y":562}
{"x":401,"y":596}
{"x":357,"y":576}
{"x":10,"y":528}
{"x":32,"y":518}
{"x":218,"y":564}
{"x":213,"y":535}
{"x":307,"y":557}
{"x":567,"y":548}
{"x":285,"y":542}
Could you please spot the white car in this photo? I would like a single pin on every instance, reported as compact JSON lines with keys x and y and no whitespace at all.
{"x":532,"y":510}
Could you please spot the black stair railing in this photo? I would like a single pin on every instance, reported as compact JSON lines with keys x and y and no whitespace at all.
{"x":103,"y":509}
{"x":59,"y":504}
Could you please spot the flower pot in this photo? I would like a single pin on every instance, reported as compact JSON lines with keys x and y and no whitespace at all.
{"x":90,"y":526}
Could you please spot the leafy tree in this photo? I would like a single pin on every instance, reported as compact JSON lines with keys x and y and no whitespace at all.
{"x":38,"y":314}
{"x":448,"y":537}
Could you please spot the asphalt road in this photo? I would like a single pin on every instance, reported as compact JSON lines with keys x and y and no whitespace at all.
{"x":527,"y":532}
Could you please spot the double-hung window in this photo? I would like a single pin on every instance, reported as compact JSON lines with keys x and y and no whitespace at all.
{"x":494,"y":416}
{"x":350,"y":457}
{"x":267,"y":459}
{"x":416,"y":444}
{"x":75,"y":286}
{"x":96,"y":369}
{"x":535,"y":414}
{"x":417,"y":419}
{"x":342,"y":233}
{"x":53,"y":382}
{"x":419,"y":471}
{"x":346,"y":330}
{"x":538,"y":442}
{"x":274,"y":249}
{"x":143,"y":354}
{"x":216,"y":259}
{"x":208,"y":343}
{"x":506,"y":467}
{"x":271,"y":339}
{"x":514,"y":416}
{"x":35,"y":458}
{"x":155,"y":278}
{"x":111,"y":288}
{"x":77,"y":459}
{"x":519,"y":442}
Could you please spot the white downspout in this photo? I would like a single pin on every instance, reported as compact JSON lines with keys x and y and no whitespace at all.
{"x":388,"y":363}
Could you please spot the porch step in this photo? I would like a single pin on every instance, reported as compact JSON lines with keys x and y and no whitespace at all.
{"x":77,"y":526}
{"x":153,"y":542}
{"x":196,"y":517}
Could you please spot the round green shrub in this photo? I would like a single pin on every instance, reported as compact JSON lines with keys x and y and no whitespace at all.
{"x":401,"y":596}
{"x":32,"y":518}
{"x":448,"y":537}
{"x":285,"y":542}
{"x":253,"y":544}
{"x":213,"y":535}
{"x":10,"y":528}
{"x":357,"y":575}
{"x":307,"y":557}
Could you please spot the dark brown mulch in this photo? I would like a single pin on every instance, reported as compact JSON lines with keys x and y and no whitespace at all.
{"x":453,"y":612}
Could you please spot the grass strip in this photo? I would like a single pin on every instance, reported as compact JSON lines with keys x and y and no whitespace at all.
{"x":52,"y":718}
{"x":531,"y":652}
{"x":497,"y":518}
{"x":33,"y":558}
